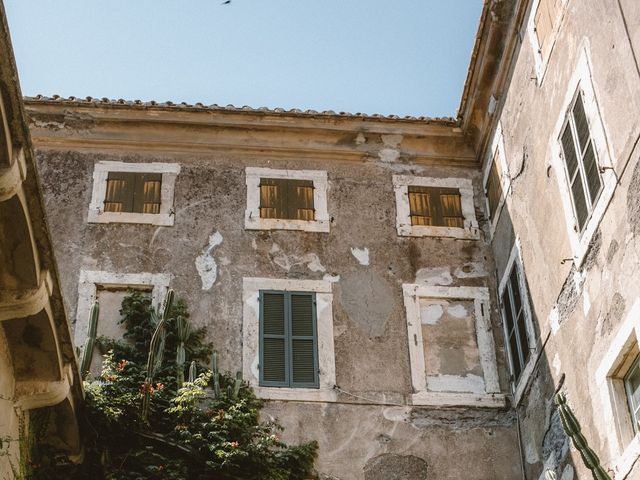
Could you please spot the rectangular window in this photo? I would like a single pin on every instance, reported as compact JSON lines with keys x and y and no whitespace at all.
{"x":286,"y":199}
{"x":133,"y":192}
{"x":288,"y":339}
{"x":494,"y":187}
{"x":580,"y":162}
{"x":515,"y":323}
{"x":435,"y":206}
{"x":632,"y":388}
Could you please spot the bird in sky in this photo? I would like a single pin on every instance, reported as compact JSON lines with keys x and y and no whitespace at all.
{"x":227,"y":2}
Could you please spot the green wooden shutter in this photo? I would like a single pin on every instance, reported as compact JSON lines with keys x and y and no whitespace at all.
{"x":273,"y":340}
{"x":300,"y":200}
{"x":119,"y":194}
{"x":304,"y":361}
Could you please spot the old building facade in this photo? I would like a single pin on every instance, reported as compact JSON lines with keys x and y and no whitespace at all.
{"x":408,"y":292}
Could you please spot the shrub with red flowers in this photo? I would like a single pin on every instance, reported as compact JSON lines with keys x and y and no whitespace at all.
{"x":191,"y":430}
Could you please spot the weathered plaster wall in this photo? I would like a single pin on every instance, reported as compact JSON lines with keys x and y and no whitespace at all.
{"x":208,"y":252}
{"x":590,"y":311}
{"x":9,"y":419}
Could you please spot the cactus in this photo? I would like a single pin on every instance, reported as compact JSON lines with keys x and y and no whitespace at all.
{"x":216,"y":373}
{"x":572,"y":428}
{"x":193,"y":372}
{"x":156,"y":351}
{"x":87,"y":351}
{"x":183,"y":330}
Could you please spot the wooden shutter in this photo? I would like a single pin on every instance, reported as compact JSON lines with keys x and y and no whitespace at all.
{"x":420,"y":205}
{"x":147,"y":193}
{"x":119,"y":195}
{"x":300,"y":200}
{"x":303,"y":341}
{"x":273,"y":339}
{"x":451,"y":208}
{"x":494,"y":187}
{"x":544,"y":24}
{"x":273,"y":192}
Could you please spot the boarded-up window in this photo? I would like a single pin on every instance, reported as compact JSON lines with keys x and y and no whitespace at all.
{"x":580,"y":161}
{"x":515,"y":326}
{"x":435,"y":206}
{"x":286,"y":199}
{"x":133,"y":192}
{"x":288,"y":340}
{"x":546,"y":17}
{"x":494,"y":186}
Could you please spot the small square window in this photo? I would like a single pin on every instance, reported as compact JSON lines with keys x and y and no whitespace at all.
{"x":133,"y":193}
{"x":286,"y":199}
{"x":288,"y":340}
{"x":438,"y":207}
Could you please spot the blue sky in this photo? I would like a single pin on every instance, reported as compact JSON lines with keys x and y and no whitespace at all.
{"x":403,"y":57}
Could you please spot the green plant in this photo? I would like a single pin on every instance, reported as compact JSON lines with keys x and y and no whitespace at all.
{"x":87,"y":351}
{"x":206,"y":428}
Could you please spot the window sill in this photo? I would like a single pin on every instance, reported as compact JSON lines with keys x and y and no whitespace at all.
{"x":523,"y":381}
{"x":296,"y":394}
{"x":251,"y":223}
{"x":445,"y":399}
{"x":160,"y":219}
{"x":428,"y":231}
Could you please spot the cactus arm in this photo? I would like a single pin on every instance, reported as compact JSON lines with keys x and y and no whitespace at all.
{"x":87,"y":351}
{"x":193,"y":372}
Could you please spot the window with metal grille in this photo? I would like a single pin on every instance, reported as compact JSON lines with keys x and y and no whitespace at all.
{"x":288,"y":340}
{"x":286,"y":199}
{"x":494,"y":186}
{"x":583,"y":174}
{"x":515,"y":323}
{"x":632,"y":388}
{"x":435,"y":206}
{"x":133,"y":192}
{"x":547,"y":14}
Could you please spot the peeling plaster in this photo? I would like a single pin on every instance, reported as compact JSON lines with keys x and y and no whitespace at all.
{"x":471,"y":270}
{"x":567,"y":473}
{"x":431,"y":314}
{"x":456,"y":383}
{"x":391,"y":151}
{"x":331,"y":278}
{"x":557,"y":365}
{"x":434,"y":276}
{"x":287,"y":262}
{"x":457,"y":311}
{"x":206,"y":265}
{"x":361,"y":254}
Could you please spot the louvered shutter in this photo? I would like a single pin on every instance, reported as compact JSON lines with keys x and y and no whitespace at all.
{"x":450,"y":208}
{"x":420,"y":205}
{"x":273,"y":193}
{"x":575,"y":179}
{"x":512,"y":337}
{"x":300,"y":200}
{"x":119,"y":195}
{"x":273,"y":339}
{"x":147,"y":193}
{"x":303,"y":341}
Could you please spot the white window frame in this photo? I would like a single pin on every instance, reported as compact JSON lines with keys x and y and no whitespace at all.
{"x":88,"y":289}
{"x":491,"y":397}
{"x":251,"y":338}
{"x":101,"y":171}
{"x":515,"y":261}
{"x":252,"y":220}
{"x":582,"y":79}
{"x":497,"y":147}
{"x":401,"y":184}
{"x":624,"y":442}
{"x":541,"y":62}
